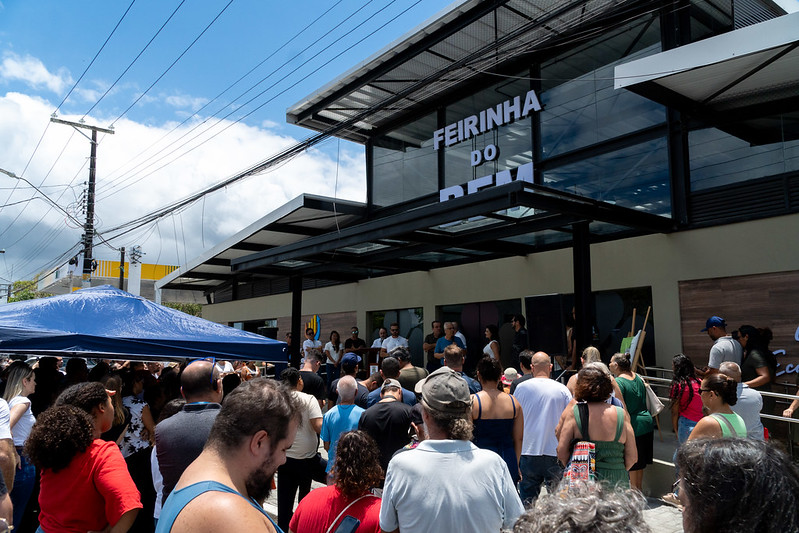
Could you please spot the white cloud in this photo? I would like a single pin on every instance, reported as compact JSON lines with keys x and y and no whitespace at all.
{"x":185,"y":101}
{"x":32,"y":71}
{"x":184,"y":236}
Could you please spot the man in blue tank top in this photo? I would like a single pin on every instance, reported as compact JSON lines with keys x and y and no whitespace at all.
{"x":225,"y":487}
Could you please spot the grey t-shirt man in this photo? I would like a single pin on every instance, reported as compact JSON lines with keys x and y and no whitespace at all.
{"x":723,"y":350}
{"x":180,"y":438}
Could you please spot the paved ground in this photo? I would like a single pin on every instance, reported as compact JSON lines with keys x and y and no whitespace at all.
{"x":663,"y":518}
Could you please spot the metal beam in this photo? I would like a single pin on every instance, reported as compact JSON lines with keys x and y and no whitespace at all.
{"x":388,"y":227}
{"x":217,"y":261}
{"x":208,"y":275}
{"x":251,"y":246}
{"x":403,"y":225}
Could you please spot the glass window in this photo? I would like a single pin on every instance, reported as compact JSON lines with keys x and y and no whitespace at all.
{"x":718,"y":158}
{"x":581,"y":106}
{"x":514,"y":140}
{"x":636,"y":177}
{"x":405,"y":164}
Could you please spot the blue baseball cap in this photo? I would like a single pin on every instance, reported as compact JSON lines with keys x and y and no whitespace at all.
{"x":350,"y":359}
{"x":714,"y":321}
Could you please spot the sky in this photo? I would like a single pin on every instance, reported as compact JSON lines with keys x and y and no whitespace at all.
{"x":195,"y":91}
{"x":204,"y":100}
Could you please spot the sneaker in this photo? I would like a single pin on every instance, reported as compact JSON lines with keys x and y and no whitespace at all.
{"x":672,"y":499}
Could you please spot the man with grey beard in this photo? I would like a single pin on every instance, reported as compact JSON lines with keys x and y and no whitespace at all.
{"x":225,"y":487}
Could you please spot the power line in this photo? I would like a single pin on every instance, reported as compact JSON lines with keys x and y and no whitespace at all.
{"x":39,"y":142}
{"x":134,"y":59}
{"x":112,"y":184}
{"x":232,"y":123}
{"x":173,"y":63}
{"x":215,"y":98}
{"x":95,"y":56}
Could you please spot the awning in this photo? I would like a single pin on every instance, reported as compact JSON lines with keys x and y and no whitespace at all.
{"x":515,"y":219}
{"x":744,"y":82}
{"x":303,"y":217}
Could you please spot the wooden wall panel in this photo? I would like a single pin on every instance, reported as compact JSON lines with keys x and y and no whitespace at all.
{"x":761,"y":300}
{"x":341,"y":322}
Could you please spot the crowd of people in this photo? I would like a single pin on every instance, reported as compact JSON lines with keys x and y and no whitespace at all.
{"x":200,"y":446}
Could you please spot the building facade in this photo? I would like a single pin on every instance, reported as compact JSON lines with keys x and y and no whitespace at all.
{"x":530,"y":157}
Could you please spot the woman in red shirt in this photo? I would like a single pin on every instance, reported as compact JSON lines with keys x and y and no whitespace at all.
{"x":686,"y":406}
{"x":85,"y":484}
{"x":356,"y":470}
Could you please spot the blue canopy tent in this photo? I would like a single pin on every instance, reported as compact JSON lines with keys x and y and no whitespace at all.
{"x":108,"y":323}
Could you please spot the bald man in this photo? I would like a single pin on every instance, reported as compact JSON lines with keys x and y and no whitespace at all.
{"x":542,"y":400}
{"x":749,"y":403}
{"x":180,"y":438}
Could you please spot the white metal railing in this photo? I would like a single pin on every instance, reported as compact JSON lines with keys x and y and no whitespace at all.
{"x":665,"y":382}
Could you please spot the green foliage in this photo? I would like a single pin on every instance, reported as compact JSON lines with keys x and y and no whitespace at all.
{"x":189,"y":309}
{"x":26,"y":290}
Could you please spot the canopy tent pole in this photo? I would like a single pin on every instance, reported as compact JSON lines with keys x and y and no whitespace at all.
{"x":297,"y":336}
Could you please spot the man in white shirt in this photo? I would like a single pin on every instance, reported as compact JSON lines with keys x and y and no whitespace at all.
{"x":302,"y":462}
{"x":382,"y":334}
{"x":542,"y":400}
{"x":395,"y":341}
{"x":447,"y":483}
{"x":458,"y":333}
{"x":310,"y":343}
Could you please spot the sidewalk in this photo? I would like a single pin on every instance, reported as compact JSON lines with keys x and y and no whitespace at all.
{"x":662,"y":518}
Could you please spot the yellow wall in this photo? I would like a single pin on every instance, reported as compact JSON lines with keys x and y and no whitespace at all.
{"x":110,"y":269}
{"x":658,"y":261}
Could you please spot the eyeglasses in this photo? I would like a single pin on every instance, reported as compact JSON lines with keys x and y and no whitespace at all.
{"x":705,"y":390}
{"x":211,"y":360}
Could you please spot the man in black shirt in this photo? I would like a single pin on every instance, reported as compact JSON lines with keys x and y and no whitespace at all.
{"x":526,"y":364}
{"x":520,"y":340}
{"x":354,"y":343}
{"x":429,"y":346}
{"x":314,"y":384}
{"x":349,"y":367}
{"x":388,"y":421}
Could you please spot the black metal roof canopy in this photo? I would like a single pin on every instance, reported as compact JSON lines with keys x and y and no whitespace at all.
{"x":302,"y":217}
{"x":744,"y":82}
{"x":327,"y":239}
{"x":448,"y":51}
{"x":510,"y":220}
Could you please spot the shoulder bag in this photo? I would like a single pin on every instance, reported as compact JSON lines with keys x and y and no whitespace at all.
{"x":653,"y":403}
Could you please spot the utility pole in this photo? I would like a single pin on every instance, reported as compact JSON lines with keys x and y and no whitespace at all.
{"x":122,"y":269}
{"x":88,"y":227}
